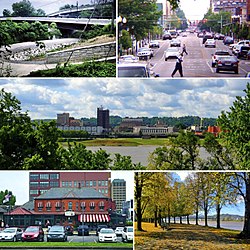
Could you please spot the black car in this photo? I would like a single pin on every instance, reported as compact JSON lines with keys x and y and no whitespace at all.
{"x":83,"y":230}
{"x":57,"y":233}
{"x":227,"y":63}
{"x":99,"y":227}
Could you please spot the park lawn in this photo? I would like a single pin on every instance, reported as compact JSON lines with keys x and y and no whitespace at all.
{"x":124,"y":142}
{"x":190,"y":237}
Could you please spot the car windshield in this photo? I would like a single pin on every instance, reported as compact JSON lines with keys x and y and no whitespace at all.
{"x":56,"y":229}
{"x":132,"y":71}
{"x":107,"y":231}
{"x":32,"y":229}
{"x":9,"y":230}
{"x":222,"y":53}
{"x":172,"y":50}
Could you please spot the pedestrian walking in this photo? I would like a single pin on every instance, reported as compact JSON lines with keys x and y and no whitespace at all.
{"x":178,"y":65}
{"x":184,"y":50}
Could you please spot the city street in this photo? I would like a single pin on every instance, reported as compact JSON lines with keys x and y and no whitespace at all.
{"x":198,"y":61}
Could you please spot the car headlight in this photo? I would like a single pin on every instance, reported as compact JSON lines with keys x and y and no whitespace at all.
{"x":36,"y":235}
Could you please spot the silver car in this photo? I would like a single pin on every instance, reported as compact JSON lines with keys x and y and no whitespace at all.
{"x":11,"y":234}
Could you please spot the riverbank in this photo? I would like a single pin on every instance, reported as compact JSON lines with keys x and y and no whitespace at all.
{"x":190,"y":237}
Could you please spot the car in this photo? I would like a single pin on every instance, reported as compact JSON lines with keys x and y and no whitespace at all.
{"x":154,"y":44}
{"x":33,"y":233}
{"x":171,"y":52}
{"x":11,"y":234}
{"x":133,"y":70}
{"x":145,"y":53}
{"x":228,"y":40}
{"x":128,"y":234}
{"x":175,"y":43}
{"x":244,"y":42}
{"x":173,"y":33}
{"x":83,"y":230}
{"x":69,"y":230}
{"x":118,"y":231}
{"x":243,"y":51}
{"x":167,"y":36}
{"x":207,"y":36}
{"x":184,"y":34}
{"x":227,"y":63}
{"x":107,"y":235}
{"x":99,"y":227}
{"x":219,"y":53}
{"x":57,"y":233}
{"x":200,"y":34}
{"x":128,"y":58}
{"x":210,"y":43}
{"x":219,"y":36}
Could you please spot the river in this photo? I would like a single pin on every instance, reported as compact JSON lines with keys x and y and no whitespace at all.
{"x":139,"y":154}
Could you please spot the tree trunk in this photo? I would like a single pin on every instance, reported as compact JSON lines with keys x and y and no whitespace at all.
{"x":155,"y":216}
{"x":197,"y":217}
{"x":205,"y":214}
{"x":218,"y":208}
{"x":188,"y":222}
{"x":138,"y":202}
{"x":246,"y":229}
{"x":174,"y":220}
{"x":180,"y":219}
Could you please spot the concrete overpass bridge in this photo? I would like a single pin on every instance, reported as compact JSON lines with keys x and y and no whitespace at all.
{"x":70,"y":12}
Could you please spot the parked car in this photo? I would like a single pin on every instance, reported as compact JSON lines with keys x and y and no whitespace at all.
{"x":83,"y":230}
{"x":154,"y":44}
{"x":207,"y":36}
{"x":128,"y":234}
{"x":175,"y":43}
{"x":217,"y":54}
{"x":227,"y":63}
{"x":210,"y":43}
{"x":57,"y":233}
{"x":69,"y":230}
{"x":171,"y":52}
{"x":140,"y":70}
{"x":33,"y":233}
{"x":219,"y":36}
{"x":243,"y":51}
{"x":107,"y":235}
{"x":118,"y":231}
{"x":11,"y":234}
{"x":228,"y":40}
{"x":145,"y":53}
{"x":99,"y":227}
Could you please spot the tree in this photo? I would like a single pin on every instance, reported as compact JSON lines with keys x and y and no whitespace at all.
{"x":23,"y":8}
{"x":6,"y":13}
{"x":235,"y":125}
{"x":9,"y":201}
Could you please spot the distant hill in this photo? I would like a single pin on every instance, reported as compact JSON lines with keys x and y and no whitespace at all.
{"x":223,"y":217}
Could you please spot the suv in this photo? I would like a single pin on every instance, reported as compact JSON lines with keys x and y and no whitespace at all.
{"x":145,"y":53}
{"x":33,"y":233}
{"x":128,"y":234}
{"x":83,"y":230}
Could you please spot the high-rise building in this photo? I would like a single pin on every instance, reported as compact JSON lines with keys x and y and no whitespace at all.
{"x":40,"y":182}
{"x":118,"y":193}
{"x":103,"y":118}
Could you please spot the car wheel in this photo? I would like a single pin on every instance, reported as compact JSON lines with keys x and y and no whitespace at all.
{"x":14,"y":239}
{"x":236,"y":71}
{"x":166,"y":59}
{"x":217,"y":70}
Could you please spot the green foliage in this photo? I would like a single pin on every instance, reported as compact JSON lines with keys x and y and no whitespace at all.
{"x":125,"y":40}
{"x":12,"y":199}
{"x":86,"y":69}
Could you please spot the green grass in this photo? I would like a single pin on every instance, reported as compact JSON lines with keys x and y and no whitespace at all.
{"x":129,"y":142}
{"x":63,"y":244}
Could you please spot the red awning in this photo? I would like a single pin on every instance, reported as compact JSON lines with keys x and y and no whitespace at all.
{"x":93,"y":218}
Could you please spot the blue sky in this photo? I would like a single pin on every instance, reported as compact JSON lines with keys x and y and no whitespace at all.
{"x":44,"y":98}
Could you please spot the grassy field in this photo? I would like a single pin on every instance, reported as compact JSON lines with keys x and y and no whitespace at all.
{"x":190,"y":237}
{"x":132,"y":142}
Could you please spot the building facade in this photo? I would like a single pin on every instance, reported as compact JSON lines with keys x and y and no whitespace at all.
{"x":40,"y":181}
{"x":103,"y":118}
{"x":118,"y":193}
{"x":62,"y":119}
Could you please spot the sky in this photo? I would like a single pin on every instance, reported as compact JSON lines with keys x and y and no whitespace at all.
{"x":49,"y":6}
{"x":18,"y":183}
{"x":45,"y":98}
{"x":194,"y":9}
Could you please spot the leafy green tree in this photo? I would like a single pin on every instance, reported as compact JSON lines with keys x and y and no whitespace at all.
{"x":125,"y":40}
{"x":6,"y":13}
{"x":235,"y":125}
{"x":23,"y":8}
{"x":12,"y":199}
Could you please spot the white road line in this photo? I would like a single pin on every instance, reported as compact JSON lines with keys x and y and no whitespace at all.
{"x":210,"y":67}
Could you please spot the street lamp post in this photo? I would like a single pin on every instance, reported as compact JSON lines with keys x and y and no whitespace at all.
{"x":121,"y":21}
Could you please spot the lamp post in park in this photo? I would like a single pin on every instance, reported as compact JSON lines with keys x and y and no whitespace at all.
{"x":121,"y":21}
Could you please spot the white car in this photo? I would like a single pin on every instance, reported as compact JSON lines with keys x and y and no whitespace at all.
{"x":128,"y":234}
{"x":145,"y":53}
{"x":107,"y":235}
{"x":171,"y":52}
{"x":133,"y":69}
{"x":118,"y":231}
{"x":210,"y":43}
{"x":175,"y":43}
{"x":219,"y":53}
{"x":154,"y":44}
{"x":11,"y":234}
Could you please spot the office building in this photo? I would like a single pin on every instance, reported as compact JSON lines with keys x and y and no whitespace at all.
{"x":103,"y":118}
{"x":118,"y":193}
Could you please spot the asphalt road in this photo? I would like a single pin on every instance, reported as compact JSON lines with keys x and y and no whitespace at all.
{"x":198,"y":61}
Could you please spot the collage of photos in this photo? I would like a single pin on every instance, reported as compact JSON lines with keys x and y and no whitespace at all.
{"x":125,"y":124}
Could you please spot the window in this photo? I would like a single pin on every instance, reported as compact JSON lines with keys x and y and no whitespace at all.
{"x":54,"y":184}
{"x":54,"y":176}
{"x":34,"y":177}
{"x":70,"y":205}
{"x":34,"y":192}
{"x":33,"y":184}
{"x":90,"y":183}
{"x":75,"y":184}
{"x":40,"y":206}
{"x":94,"y":183}
{"x":87,"y":183}
{"x":83,"y":184}
{"x":99,"y":183}
{"x":83,"y":205}
{"x":44,"y":184}
{"x":92,"y":206}
{"x":103,"y":183}
{"x":63,"y":183}
{"x":48,"y":206}
{"x":106,"y":183}
{"x":101,"y":205}
{"x":58,"y":206}
{"x":44,"y":176}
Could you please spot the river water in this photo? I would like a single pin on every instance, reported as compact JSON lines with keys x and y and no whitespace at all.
{"x":139,"y":154}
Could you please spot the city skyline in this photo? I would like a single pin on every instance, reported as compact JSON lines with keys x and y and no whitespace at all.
{"x":44,"y":98}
